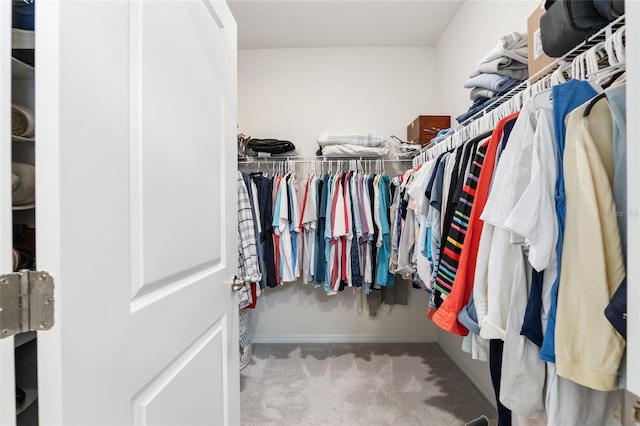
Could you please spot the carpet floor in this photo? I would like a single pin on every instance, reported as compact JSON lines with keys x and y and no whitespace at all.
{"x":357,"y":384}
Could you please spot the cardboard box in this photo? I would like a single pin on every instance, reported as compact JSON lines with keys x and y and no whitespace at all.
{"x":537,"y":59}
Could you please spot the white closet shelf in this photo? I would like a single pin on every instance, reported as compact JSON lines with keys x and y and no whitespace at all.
{"x":23,"y":338}
{"x":22,"y":71}
{"x":22,"y":139}
{"x":30,"y":397}
{"x":24,"y":207}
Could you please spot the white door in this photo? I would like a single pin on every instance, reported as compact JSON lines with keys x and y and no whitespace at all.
{"x":136,"y":211}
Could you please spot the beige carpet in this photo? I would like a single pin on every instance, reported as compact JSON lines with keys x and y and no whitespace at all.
{"x":357,"y":384}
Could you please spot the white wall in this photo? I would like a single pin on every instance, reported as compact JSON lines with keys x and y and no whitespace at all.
{"x":296,"y":94}
{"x":300,"y":313}
{"x":473,"y":32}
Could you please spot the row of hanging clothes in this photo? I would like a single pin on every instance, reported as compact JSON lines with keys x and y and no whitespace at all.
{"x":325,"y":223}
{"x":516,"y":226}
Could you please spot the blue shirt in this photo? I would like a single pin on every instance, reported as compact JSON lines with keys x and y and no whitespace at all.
{"x":383,"y":276}
{"x":566,"y":97}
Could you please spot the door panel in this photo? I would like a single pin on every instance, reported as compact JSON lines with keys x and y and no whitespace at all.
{"x":164,"y":400}
{"x":139,"y":143}
{"x":175,"y":189}
{"x":176,"y":112}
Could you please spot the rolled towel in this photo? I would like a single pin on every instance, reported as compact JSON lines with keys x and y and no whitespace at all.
{"x":23,"y":121}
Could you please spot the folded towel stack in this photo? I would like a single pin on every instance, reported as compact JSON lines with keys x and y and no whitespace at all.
{"x":336,"y":144}
{"x":498,"y":71}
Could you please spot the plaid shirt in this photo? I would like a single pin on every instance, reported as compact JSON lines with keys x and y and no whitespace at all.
{"x":248,"y":264}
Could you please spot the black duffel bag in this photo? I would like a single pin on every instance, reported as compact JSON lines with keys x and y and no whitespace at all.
{"x":609,"y":9}
{"x":567,"y":23}
{"x":271,"y":146}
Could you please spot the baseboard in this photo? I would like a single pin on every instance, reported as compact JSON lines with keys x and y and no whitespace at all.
{"x":342,"y":338}
{"x":484,"y":387}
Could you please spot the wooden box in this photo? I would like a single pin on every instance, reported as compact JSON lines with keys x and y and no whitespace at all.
{"x":426,"y":127}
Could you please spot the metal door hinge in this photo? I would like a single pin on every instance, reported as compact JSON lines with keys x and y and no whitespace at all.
{"x":26,"y":302}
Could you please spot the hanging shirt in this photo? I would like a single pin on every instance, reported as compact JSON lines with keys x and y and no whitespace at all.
{"x":383,"y":277}
{"x":566,"y":97}
{"x":255,"y":210}
{"x":464,"y":161}
{"x":435,"y":200}
{"x":616,"y":311}
{"x":284,"y":230}
{"x":265,"y":200}
{"x":407,"y":238}
{"x":248,"y":265}
{"x":506,"y":262}
{"x":367,"y":256}
{"x":276,"y":228}
{"x":446,"y":185}
{"x":308,"y":224}
{"x":321,"y":260}
{"x":417,"y":193}
{"x":589,"y":276}
{"x":453,"y":243}
{"x":469,"y":226}
{"x":334,"y":249}
{"x":396,"y":229}
{"x":345,"y":240}
{"x":294,"y":222}
{"x":533,"y":218}
{"x":509,"y":275}
{"x":253,"y":196}
{"x":355,"y":280}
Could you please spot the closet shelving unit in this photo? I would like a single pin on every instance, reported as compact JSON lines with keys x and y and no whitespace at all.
{"x":600,"y":36}
{"x":23,"y":150}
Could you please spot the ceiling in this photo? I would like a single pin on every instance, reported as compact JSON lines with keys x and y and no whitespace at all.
{"x":269,"y":24}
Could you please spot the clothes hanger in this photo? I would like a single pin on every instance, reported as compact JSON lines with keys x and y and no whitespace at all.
{"x":615,"y":49}
{"x":562,"y":74}
{"x":592,"y":103}
{"x":594,"y":56}
{"x":543,"y":99}
{"x":609,"y":46}
{"x":619,"y":44}
{"x":579,"y":66}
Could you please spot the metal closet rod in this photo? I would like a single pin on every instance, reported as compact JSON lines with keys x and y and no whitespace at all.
{"x":254,"y":160}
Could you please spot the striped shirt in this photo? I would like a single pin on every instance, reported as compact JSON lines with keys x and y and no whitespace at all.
{"x":454,"y":240}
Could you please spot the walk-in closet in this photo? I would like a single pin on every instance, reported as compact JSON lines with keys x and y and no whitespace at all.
{"x":319,"y":212}
{"x":379,"y":90}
